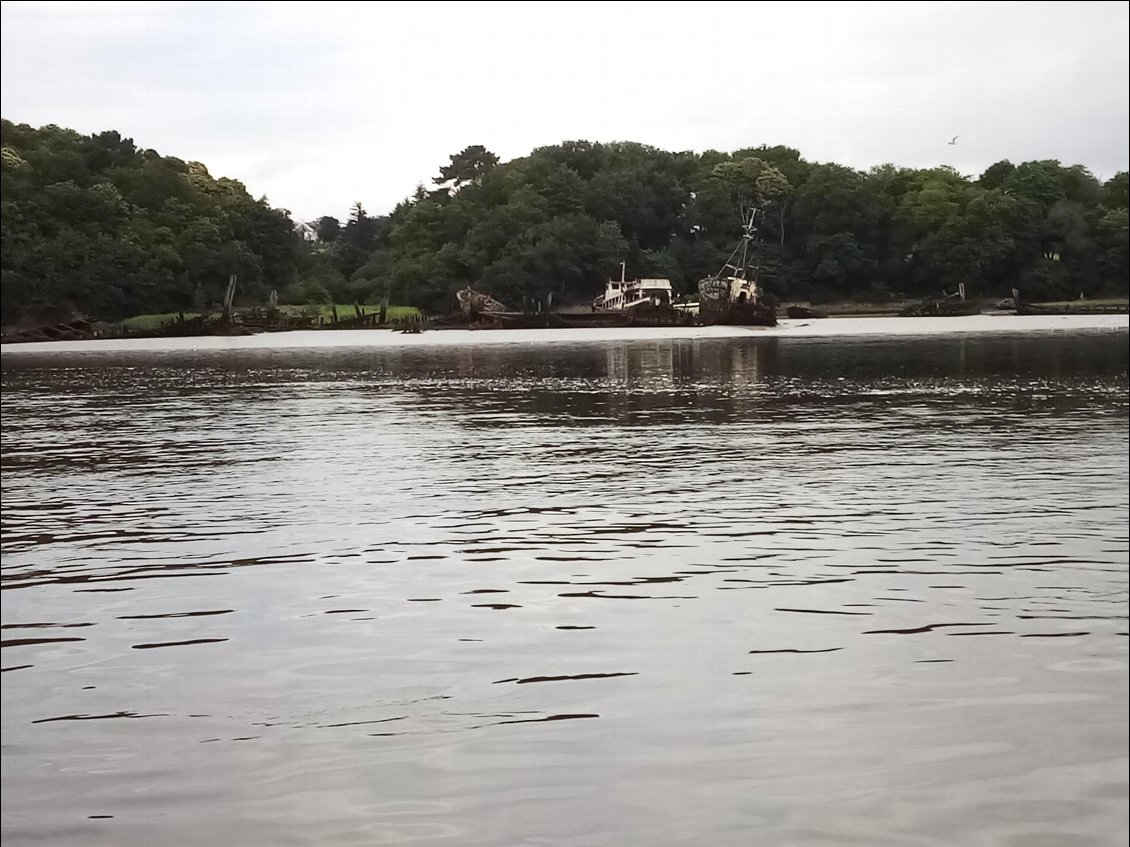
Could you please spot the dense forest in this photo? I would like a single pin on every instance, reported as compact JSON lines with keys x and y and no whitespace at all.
{"x":93,"y":225}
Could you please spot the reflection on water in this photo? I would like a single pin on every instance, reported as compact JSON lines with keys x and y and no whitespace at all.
{"x":717,"y":590}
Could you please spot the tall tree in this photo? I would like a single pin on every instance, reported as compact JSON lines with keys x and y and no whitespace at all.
{"x":467,"y":166}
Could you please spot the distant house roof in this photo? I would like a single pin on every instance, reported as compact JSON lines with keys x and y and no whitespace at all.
{"x":308,"y":232}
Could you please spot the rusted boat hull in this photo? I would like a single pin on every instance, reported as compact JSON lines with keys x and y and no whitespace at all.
{"x":796,"y":312}
{"x":724,"y":313}
{"x":75,"y":330}
{"x":941,"y":309}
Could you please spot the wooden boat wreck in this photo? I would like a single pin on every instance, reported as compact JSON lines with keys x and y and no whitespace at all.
{"x":1082,"y":308}
{"x":478,"y":310}
{"x":941,"y":307}
{"x":733,"y":296}
{"x":796,"y":312}
{"x":78,"y":329}
{"x":1075,"y":307}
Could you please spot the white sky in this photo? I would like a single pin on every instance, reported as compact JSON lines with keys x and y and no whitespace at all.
{"x":319,"y":104}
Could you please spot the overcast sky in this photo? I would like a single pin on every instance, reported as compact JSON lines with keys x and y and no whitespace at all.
{"x":317,"y":105}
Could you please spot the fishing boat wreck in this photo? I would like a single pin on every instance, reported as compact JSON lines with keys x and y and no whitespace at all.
{"x":641,"y":302}
{"x":733,"y":296}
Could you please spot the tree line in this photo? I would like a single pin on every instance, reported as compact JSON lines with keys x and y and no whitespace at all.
{"x":94,"y":225}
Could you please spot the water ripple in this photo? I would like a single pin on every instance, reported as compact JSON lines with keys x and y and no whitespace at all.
{"x":408,"y":550}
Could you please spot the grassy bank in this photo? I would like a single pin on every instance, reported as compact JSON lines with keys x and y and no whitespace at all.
{"x":324,"y":311}
{"x":141,"y":322}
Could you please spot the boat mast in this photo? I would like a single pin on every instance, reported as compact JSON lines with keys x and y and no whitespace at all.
{"x":742,"y":251}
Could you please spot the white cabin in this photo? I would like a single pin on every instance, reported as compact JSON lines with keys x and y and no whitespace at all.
{"x":624,"y":294}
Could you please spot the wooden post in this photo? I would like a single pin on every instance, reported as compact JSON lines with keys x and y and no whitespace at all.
{"x":333,"y":310}
{"x":384,"y":310}
{"x":357,"y":308}
{"x":228,"y":297}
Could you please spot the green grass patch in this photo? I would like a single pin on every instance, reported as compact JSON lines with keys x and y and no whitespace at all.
{"x":140,"y":322}
{"x":394,"y":313}
{"x":325,"y":311}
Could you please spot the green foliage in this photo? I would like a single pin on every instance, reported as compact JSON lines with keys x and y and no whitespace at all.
{"x":1048,"y":280}
{"x":1116,"y":191}
{"x":563,"y":218}
{"x":467,"y":166}
{"x":97,"y":226}
{"x":94,"y":225}
{"x":328,"y":228}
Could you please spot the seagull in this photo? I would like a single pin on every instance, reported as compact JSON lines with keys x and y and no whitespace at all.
{"x":954,"y":139}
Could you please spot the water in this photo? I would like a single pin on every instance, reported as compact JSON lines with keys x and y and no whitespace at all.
{"x":595,"y":590}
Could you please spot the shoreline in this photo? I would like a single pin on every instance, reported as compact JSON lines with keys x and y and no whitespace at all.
{"x":842,"y":327}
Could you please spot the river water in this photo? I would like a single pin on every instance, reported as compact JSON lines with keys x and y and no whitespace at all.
{"x":793,"y":588}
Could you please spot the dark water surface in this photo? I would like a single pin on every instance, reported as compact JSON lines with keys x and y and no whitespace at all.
{"x":717,"y":591}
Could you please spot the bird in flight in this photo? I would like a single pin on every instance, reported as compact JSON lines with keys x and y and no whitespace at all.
{"x":954,"y":139}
